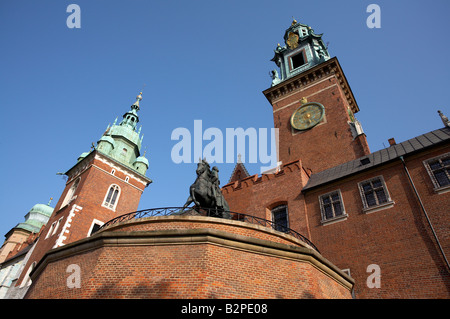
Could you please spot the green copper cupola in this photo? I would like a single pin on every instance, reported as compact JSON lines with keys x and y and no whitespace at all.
{"x":303,"y":50}
{"x":122,"y":141}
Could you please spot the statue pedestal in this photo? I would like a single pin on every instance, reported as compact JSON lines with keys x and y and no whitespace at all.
{"x":189,"y":256}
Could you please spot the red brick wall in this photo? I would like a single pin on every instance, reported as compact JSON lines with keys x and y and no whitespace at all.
{"x":256,"y":196}
{"x":398,"y":239}
{"x":157,"y":268}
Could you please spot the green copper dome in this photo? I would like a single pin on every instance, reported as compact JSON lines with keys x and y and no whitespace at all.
{"x":142,"y":159}
{"x":42,"y":209}
{"x":108,"y":139}
{"x":36,"y":218}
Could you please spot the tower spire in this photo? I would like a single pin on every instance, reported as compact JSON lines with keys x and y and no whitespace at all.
{"x":136,"y":104}
{"x":130,"y":119}
{"x":123,"y":141}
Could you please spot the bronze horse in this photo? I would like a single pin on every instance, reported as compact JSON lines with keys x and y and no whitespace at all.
{"x":206,"y":193}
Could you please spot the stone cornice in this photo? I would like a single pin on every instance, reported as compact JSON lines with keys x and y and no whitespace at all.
{"x":330,"y":67}
{"x":86,"y":163}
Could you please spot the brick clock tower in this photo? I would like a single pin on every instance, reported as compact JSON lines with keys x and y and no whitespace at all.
{"x":313,"y":105}
{"x":106,"y":182}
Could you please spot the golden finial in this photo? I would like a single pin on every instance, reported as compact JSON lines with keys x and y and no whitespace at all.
{"x":294,"y":22}
{"x":303,"y":100}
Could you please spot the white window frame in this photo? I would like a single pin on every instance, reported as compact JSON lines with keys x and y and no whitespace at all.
{"x":69,"y":196}
{"x":114,"y":205}
{"x":57,"y":225}
{"x":437,"y":188}
{"x":94,"y":222}
{"x":335,"y":218}
{"x":50,"y":231}
{"x":379,"y":206}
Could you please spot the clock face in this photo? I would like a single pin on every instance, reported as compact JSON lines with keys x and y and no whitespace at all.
{"x":307,"y":116}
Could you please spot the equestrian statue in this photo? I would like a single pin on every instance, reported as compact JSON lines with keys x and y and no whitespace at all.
{"x":205,"y":192}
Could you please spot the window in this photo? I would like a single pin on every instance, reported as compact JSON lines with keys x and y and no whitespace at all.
{"x":112,"y":197}
{"x":374,"y":194}
{"x":113,"y":171}
{"x":298,"y":60}
{"x":332,"y":206}
{"x":57,"y":225}
{"x":439,"y":170}
{"x":280,"y":218}
{"x":96,"y":224}
{"x":127,"y":179}
{"x":123,"y":153}
{"x":69,"y":197}
{"x":53,"y":228}
{"x":50,"y":231}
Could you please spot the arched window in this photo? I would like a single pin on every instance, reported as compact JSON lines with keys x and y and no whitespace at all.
{"x":71,"y":191}
{"x":112,"y":197}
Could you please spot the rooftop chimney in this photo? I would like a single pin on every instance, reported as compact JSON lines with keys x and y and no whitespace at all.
{"x":392,"y":141}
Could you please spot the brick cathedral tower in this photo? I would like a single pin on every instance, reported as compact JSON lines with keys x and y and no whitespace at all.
{"x":106,"y":182}
{"x":313,"y":105}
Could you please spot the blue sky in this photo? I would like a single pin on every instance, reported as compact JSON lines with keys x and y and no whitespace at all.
{"x":208,"y":60}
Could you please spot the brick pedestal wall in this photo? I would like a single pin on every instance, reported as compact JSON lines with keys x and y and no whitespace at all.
{"x":188,"y":257}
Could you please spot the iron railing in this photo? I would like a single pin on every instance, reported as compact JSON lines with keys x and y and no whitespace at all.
{"x":167,"y":211}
